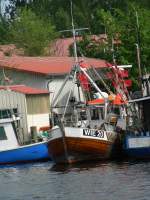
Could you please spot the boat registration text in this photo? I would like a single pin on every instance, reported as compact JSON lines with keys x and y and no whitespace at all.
{"x":93,"y":133}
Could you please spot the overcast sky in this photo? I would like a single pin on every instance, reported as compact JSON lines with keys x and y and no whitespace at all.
{"x":3,"y":4}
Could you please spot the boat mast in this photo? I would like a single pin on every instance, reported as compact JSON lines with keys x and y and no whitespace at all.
{"x":138,"y":53}
{"x":76,"y":55}
{"x":74,"y":35}
{"x":139,"y":66}
{"x":73,"y":30}
{"x":82,"y":69}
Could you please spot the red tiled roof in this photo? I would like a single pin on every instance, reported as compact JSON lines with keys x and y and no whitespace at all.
{"x":46,"y":65}
{"x":60,"y":47}
{"x":7,"y":47}
{"x":1,"y":54}
{"x":24,"y":89}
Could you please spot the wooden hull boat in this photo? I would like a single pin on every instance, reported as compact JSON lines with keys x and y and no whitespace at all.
{"x":82,"y":129}
{"x":80,"y":144}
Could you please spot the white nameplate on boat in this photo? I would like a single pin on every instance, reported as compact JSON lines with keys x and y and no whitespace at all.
{"x":139,"y":142}
{"x":93,"y":133}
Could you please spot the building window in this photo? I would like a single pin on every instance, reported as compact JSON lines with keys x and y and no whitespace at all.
{"x":2,"y":133}
{"x":7,"y":113}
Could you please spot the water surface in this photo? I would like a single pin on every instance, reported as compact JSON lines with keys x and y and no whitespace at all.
{"x":89,"y":181}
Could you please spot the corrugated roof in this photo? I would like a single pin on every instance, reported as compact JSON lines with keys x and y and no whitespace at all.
{"x":46,"y":65}
{"x":24,"y":89}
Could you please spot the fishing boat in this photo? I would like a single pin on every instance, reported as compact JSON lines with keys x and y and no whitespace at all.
{"x":11,"y":150}
{"x":137,"y":146}
{"x":82,"y":130}
{"x":137,"y":138}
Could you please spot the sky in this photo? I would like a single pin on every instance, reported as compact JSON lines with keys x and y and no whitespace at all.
{"x":3,"y":4}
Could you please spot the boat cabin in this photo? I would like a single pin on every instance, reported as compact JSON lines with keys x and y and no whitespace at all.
{"x":91,"y":116}
{"x":8,"y":130}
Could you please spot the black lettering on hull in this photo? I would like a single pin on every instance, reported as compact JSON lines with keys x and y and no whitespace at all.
{"x":94,"y":133}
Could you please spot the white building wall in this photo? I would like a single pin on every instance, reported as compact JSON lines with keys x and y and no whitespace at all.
{"x":28,"y":79}
{"x":38,"y":120}
{"x":56,"y":84}
{"x":53,"y":83}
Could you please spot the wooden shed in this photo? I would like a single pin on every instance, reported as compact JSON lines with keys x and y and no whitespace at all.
{"x":32,"y":104}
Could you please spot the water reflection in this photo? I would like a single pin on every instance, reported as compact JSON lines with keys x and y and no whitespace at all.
{"x":83,"y":181}
{"x":103,"y":165}
{"x":77,"y":166}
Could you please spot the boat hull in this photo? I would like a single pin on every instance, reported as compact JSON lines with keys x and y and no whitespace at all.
{"x":72,"y":148}
{"x":137,"y":147}
{"x":26,"y":153}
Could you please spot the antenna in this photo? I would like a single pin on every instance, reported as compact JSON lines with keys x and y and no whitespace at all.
{"x":137,"y":28}
{"x":138,"y":52}
{"x":113,"y":51}
{"x":74,"y":34}
{"x":74,"y":30}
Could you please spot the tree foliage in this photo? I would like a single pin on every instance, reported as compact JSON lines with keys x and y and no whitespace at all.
{"x":30,"y":32}
{"x":4,"y":29}
{"x":116,"y":18}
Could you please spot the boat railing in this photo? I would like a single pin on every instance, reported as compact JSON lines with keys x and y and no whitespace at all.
{"x":136,"y":132}
{"x":70,"y":122}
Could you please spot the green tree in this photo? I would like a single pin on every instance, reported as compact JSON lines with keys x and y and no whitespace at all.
{"x":31,"y":33}
{"x":62,"y":20}
{"x":4,"y":27}
{"x":129,"y":26}
{"x":114,"y":17}
{"x":4,"y":31}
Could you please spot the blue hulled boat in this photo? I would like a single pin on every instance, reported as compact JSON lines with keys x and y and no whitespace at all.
{"x":137,"y":147}
{"x":26,"y":153}
{"x":137,"y":143}
{"x":11,"y":151}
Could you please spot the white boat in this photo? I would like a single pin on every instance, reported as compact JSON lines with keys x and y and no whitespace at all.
{"x":11,"y":151}
{"x":82,"y":130}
